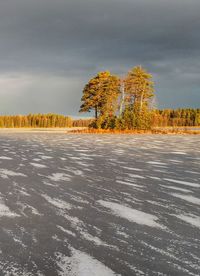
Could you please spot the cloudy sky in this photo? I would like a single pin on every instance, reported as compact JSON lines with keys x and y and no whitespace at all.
{"x":50,"y":48}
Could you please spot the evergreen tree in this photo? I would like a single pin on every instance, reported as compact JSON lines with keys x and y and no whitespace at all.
{"x":139,"y":90}
{"x":100,"y":94}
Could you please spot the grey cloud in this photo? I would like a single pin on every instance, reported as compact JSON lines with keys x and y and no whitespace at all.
{"x":72,"y":40}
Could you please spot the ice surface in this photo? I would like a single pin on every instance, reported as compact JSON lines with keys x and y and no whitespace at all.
{"x":103,"y":202}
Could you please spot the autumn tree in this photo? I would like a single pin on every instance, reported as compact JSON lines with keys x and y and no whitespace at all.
{"x":139,"y":90}
{"x":100,"y":94}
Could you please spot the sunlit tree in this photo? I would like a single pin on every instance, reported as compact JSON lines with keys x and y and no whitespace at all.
{"x":100,"y":94}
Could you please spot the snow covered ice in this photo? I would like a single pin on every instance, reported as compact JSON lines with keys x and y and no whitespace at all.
{"x":101,"y":205}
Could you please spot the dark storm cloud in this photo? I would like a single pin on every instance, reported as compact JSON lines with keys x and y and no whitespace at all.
{"x":49,"y":49}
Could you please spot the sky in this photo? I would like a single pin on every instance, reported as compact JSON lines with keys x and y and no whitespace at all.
{"x":49,"y":49}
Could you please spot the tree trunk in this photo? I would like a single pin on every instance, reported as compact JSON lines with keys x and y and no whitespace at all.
{"x":141,"y":102}
{"x":96,"y":112}
{"x":122,"y":99}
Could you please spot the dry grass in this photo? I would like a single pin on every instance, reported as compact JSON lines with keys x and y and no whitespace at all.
{"x":135,"y":131}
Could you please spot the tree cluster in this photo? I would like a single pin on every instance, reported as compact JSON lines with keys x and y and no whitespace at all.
{"x":120,"y":103}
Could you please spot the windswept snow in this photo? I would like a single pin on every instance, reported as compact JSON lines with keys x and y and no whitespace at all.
{"x":193,"y":220}
{"x":81,"y":264}
{"x":188,"y":198}
{"x":128,"y":183}
{"x":37,"y":165}
{"x":99,"y":205}
{"x":5,"y":211}
{"x":5,"y":158}
{"x":61,"y":204}
{"x":156,"y":163}
{"x":195,"y":185}
{"x":4,"y":173}
{"x":59,"y":177}
{"x":130,"y":214}
{"x":177,"y":189}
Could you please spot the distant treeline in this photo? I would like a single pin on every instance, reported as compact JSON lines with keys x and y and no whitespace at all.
{"x":177,"y":117}
{"x":35,"y":120}
{"x":160,"y":118}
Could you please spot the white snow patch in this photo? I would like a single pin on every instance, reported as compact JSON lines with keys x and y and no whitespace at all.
{"x":36,"y":159}
{"x":5,"y":158}
{"x":96,"y":240}
{"x":192,"y":172}
{"x":61,"y":204}
{"x":59,"y":177}
{"x":127,"y":183}
{"x":130,"y":214}
{"x":81,"y":264}
{"x":66,"y":231}
{"x":179,"y":152}
{"x":132,"y":169}
{"x":188,"y":198}
{"x":175,"y":161}
{"x":178,"y":189}
{"x":38,"y":165}
{"x":194,"y":220}
{"x":24,"y":193}
{"x":5,"y":211}
{"x":195,"y":185}
{"x":135,"y":176}
{"x":25,"y":206}
{"x":4,"y":173}
{"x":45,"y":157}
{"x":156,"y":163}
{"x":123,"y":234}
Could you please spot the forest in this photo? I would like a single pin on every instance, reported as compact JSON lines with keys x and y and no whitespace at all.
{"x":160,"y":118}
{"x":35,"y":120}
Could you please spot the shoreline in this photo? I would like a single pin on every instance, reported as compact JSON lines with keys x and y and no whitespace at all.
{"x":138,"y":132}
{"x":85,"y":130}
{"x":41,"y":130}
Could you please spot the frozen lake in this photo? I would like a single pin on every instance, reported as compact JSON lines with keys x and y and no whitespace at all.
{"x":99,"y":205}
